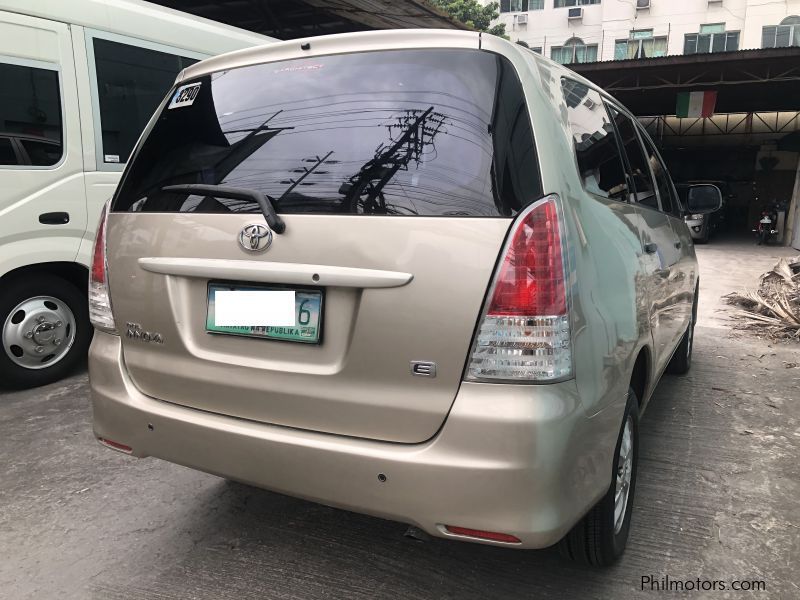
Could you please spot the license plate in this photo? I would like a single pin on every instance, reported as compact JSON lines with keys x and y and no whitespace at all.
{"x":260,"y":312}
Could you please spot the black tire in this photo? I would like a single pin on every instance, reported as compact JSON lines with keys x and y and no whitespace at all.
{"x":595,"y":540}
{"x":15,"y":291}
{"x":681,"y":361}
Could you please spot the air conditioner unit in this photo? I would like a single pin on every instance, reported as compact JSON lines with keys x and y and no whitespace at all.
{"x":522,"y":19}
{"x":642,"y":4}
{"x":575,"y":13}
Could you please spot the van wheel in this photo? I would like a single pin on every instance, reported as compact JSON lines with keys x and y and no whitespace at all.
{"x":681,"y":361}
{"x":599,"y":539}
{"x":45,"y":330}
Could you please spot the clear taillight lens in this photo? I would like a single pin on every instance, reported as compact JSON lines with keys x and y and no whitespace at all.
{"x":99,"y":298}
{"x":524,"y":334}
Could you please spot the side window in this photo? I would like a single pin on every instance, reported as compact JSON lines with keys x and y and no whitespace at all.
{"x":599,"y":161}
{"x":40,"y":152}
{"x":30,"y":106}
{"x":669,"y":201}
{"x":7,"y":154}
{"x":637,"y":160}
{"x":131,"y":81}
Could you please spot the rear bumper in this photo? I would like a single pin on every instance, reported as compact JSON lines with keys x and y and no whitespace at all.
{"x":521,"y":460}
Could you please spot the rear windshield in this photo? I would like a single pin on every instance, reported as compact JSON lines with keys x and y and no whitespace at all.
{"x":403,"y":132}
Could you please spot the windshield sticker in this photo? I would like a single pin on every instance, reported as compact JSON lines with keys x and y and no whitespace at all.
{"x":185,"y":95}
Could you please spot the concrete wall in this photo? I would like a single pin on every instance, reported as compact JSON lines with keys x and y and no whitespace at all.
{"x":604,"y":23}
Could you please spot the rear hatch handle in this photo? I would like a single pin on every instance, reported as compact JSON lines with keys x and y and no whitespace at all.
{"x":222,"y":191}
{"x":274,"y":272}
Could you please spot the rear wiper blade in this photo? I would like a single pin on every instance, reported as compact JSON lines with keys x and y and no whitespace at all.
{"x":222,"y":191}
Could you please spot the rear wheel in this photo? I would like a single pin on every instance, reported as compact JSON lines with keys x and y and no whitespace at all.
{"x":45,"y":330}
{"x":599,"y":539}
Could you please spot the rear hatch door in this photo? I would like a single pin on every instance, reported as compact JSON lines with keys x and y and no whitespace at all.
{"x":396,"y":174}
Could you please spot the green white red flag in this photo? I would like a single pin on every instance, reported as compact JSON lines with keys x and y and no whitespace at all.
{"x":696,"y":104}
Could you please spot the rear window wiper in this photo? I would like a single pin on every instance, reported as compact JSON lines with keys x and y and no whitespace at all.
{"x":222,"y":191}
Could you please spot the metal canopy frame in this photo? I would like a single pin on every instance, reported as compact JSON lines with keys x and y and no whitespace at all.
{"x":747,"y":81}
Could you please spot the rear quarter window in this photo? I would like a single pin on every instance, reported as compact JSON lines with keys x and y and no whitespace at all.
{"x":406,"y":132}
{"x":597,"y":150}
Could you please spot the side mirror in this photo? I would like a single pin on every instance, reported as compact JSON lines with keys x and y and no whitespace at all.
{"x":703,"y":198}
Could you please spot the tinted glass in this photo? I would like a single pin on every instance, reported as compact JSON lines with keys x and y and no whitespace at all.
{"x":637,"y":161}
{"x":599,"y":161}
{"x":41,"y":152}
{"x":7,"y":154}
{"x":419,"y":132}
{"x":666,"y":192}
{"x":131,"y":81}
{"x":30,"y":104}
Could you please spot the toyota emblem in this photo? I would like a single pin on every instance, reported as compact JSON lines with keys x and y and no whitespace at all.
{"x":255,"y":237}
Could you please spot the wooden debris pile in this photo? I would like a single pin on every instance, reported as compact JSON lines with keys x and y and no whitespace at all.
{"x":774,"y":309}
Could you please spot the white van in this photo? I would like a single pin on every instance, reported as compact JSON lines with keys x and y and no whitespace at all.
{"x":78,"y":82}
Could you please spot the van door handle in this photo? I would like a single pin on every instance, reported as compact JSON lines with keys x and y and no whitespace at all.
{"x":54,"y":218}
{"x":651,"y":248}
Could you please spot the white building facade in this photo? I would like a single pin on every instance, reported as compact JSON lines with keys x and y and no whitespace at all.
{"x":576,"y":31}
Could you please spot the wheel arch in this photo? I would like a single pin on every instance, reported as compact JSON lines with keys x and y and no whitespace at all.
{"x":76,"y":273}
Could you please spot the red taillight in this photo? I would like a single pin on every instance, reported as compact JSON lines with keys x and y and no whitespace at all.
{"x":99,"y":253}
{"x":100,"y":313}
{"x":115,"y":445}
{"x":524,"y":333}
{"x":531,"y":276}
{"x":483,"y":535}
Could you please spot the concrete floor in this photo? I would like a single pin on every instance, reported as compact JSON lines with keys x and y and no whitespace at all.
{"x":716,"y":499}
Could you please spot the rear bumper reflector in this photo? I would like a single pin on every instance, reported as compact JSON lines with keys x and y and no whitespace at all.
{"x":482,"y":535}
{"x":115,"y":445}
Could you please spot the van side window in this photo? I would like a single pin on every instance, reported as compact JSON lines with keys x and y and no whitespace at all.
{"x":599,"y":161}
{"x":30,"y":108}
{"x":638,"y":162}
{"x":41,"y":152}
{"x":7,"y":154}
{"x":669,"y":203}
{"x":131,"y":82}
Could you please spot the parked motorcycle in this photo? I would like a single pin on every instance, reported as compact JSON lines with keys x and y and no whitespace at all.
{"x":765,"y":230}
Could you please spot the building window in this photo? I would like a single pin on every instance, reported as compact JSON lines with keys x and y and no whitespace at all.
{"x":520,"y":5}
{"x":712,"y":38}
{"x":565,"y":3}
{"x":782,"y":36}
{"x":640,"y":44}
{"x":574,"y":51}
{"x":30,"y":112}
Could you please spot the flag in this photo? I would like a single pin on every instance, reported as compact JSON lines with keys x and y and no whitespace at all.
{"x":696,"y":104}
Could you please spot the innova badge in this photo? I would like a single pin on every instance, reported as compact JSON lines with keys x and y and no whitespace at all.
{"x":255,"y":237}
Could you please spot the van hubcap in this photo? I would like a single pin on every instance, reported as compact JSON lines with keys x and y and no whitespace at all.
{"x":623,"y":475}
{"x":38,"y":332}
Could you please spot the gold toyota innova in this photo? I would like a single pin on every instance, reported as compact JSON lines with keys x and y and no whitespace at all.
{"x":425,"y":275}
